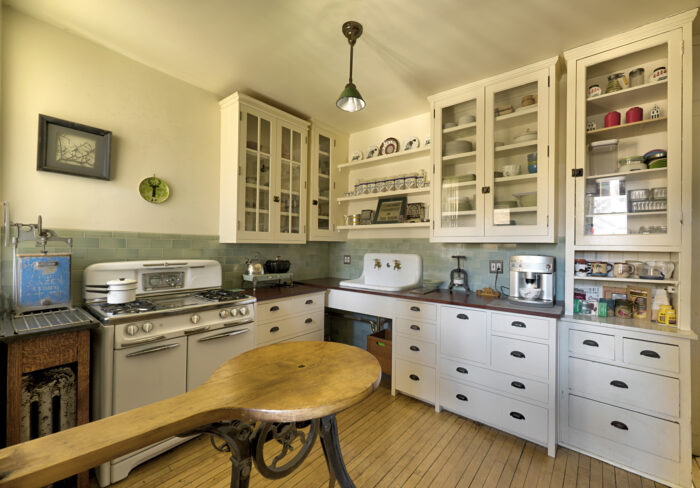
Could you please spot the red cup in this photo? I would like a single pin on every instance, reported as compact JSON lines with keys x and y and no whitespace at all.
{"x":634,"y":115}
{"x":612,"y":119}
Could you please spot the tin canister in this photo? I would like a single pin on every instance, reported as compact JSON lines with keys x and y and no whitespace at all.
{"x":637,"y":77}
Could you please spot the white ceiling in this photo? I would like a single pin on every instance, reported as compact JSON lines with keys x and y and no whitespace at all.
{"x":292,"y":52}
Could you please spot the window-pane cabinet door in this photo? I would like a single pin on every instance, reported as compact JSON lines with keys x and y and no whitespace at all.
{"x":292,"y":146}
{"x":517,"y":163}
{"x":458,"y":159}
{"x":322,"y":205}
{"x":623,"y":197}
{"x":257,"y":135}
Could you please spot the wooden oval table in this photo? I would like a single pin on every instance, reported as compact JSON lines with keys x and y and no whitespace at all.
{"x":269,"y":393}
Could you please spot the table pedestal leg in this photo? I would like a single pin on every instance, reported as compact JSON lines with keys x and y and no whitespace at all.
{"x":334,"y":458}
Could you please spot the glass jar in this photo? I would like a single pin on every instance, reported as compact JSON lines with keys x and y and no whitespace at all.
{"x":400,"y":182}
{"x":411,"y":181}
{"x":390,"y":184}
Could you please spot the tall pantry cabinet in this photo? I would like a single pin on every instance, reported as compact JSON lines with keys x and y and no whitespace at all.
{"x":624,"y":389}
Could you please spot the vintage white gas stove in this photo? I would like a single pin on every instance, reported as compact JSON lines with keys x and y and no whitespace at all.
{"x":180,"y":328}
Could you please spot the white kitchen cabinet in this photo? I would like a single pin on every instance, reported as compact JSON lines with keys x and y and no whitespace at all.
{"x":263,"y":183}
{"x":299,"y":317}
{"x":485,"y":190}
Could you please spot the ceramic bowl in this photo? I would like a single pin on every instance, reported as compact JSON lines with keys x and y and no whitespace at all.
{"x":456,"y":147}
{"x":527,"y":136}
{"x":511,"y":169}
{"x":658,"y":163}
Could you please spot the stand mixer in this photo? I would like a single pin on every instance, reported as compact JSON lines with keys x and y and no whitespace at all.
{"x":458,"y":276}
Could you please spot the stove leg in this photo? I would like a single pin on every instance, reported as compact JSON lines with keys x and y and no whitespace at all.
{"x":334,"y":458}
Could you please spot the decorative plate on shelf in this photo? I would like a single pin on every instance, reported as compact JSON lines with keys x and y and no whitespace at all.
{"x":389,"y":146}
{"x":356,"y":156}
{"x":372,"y":151}
{"x":154,"y":190}
{"x":411,"y":143}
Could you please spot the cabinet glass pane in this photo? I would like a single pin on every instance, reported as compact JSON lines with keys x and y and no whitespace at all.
{"x":290,"y":180}
{"x":296,"y":146}
{"x":257,"y":174}
{"x":626,"y":118}
{"x":458,"y":207}
{"x":515,"y":156}
{"x":286,"y":143}
{"x":323,"y":183}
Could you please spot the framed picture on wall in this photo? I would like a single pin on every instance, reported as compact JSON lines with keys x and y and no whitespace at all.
{"x":390,"y":210}
{"x":74,"y":149}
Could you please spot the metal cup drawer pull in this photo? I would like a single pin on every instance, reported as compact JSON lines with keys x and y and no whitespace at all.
{"x":650,"y":354}
{"x":619,"y":425}
{"x":414,"y":348}
{"x":589,"y":342}
{"x":517,"y":323}
{"x":462,"y":370}
{"x":274,"y":308}
{"x":415,"y":327}
{"x":308,"y":321}
{"x":414,"y":377}
{"x":517,"y":384}
{"x":274,"y":329}
{"x":415,"y":309}
{"x":517,"y":354}
{"x":517,"y":415}
{"x":461,"y":397}
{"x":463,"y":316}
{"x":618,"y":384}
{"x":309,"y":302}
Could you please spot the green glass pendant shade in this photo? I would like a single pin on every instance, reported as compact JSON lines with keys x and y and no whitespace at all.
{"x":350,"y":99}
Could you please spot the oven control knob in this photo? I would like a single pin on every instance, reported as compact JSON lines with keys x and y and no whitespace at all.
{"x":132,"y":329}
{"x":243,"y":310}
{"x":233,"y":312}
{"x":147,"y":326}
{"x":223,"y":313}
{"x":194,"y":319}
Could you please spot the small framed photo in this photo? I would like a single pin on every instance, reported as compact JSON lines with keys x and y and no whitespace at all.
{"x":74,"y":149}
{"x":390,"y":211}
{"x":415,"y":212}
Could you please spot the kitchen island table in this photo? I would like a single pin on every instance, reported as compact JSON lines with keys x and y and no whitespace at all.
{"x":266,"y":394}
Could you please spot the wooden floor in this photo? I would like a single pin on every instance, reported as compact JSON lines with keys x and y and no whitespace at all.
{"x":399,"y":442}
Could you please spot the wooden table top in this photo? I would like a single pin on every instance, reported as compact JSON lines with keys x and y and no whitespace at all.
{"x":283,"y":382}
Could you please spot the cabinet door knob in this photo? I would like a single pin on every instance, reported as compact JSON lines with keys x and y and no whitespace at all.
{"x":650,"y":354}
{"x":618,"y":384}
{"x":517,"y":384}
{"x":314,"y":202}
{"x":619,"y":425}
{"x":463,"y":316}
{"x":462,"y":370}
{"x":415,"y":309}
{"x":517,"y":354}
{"x":414,"y":377}
{"x":308,"y":321}
{"x":274,"y":308}
{"x":414,"y":348}
{"x":415,"y":327}
{"x":589,"y":342}
{"x":517,"y":323}
{"x":274,"y":329}
{"x":517,"y":415}
{"x":309,"y":302}
{"x":462,"y":397}
{"x":276,"y":199}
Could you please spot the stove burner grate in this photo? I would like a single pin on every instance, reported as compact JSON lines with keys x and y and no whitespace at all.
{"x":129,"y":307}
{"x":221,"y":295}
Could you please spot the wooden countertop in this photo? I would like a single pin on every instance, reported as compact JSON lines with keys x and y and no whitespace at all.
{"x":457,"y":298}
{"x":285,"y":382}
{"x":278,"y":292}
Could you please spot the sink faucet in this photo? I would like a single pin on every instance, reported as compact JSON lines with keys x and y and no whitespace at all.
{"x":377,"y":263}
{"x":397,"y":264}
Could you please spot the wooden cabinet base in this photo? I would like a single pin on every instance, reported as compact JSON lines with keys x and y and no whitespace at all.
{"x":379,"y":345}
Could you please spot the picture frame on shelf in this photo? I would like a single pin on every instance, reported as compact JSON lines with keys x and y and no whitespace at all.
{"x":415,"y":212}
{"x":72,"y":148}
{"x":390,"y":211}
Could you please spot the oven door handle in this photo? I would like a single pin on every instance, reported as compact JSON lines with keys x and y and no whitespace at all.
{"x":234,"y":324}
{"x":153,"y":349}
{"x":143,"y":341}
{"x":223,"y":334}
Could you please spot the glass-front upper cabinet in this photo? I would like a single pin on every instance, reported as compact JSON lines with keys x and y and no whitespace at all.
{"x":327,"y":147}
{"x":517,"y":156}
{"x":628,"y":144}
{"x":458,"y":156}
{"x":292,"y":183}
{"x":256,"y":172}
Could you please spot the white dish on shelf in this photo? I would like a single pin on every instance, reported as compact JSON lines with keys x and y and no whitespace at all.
{"x":356,"y":156}
{"x":466,"y":119}
{"x":449,"y":125}
{"x":410,"y":143}
{"x":372,"y":151}
{"x":527,"y":136}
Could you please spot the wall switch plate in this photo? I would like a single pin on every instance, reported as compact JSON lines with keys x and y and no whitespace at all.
{"x":495,"y":266}
{"x":346,"y":259}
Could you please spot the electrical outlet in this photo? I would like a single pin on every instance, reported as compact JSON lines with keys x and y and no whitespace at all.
{"x":495,"y":266}
{"x":346,"y":259}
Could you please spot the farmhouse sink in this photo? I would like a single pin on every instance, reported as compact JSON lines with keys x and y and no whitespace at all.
{"x":388,"y":272}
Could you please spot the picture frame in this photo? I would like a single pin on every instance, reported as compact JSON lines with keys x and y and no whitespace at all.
{"x":74,"y":149}
{"x":390,"y":211}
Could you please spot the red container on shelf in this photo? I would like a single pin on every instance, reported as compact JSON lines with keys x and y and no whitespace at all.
{"x":612,"y":119}
{"x":634,"y":115}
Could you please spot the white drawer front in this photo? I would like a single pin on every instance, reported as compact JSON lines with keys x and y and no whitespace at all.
{"x":415,"y":350}
{"x":650,"y":354}
{"x":416,"y":380}
{"x":275,"y":309}
{"x":520,"y":325}
{"x":514,"y":385}
{"x":312,"y":336}
{"x":625,"y":387}
{"x":278,"y":330}
{"x":592,"y":344}
{"x":520,"y":357}
{"x":416,"y":310}
{"x":414,"y":328}
{"x":642,"y":432}
{"x":464,"y":334}
{"x":505,"y":413}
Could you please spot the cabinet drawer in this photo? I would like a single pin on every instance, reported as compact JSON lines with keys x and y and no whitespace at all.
{"x":600,"y":346}
{"x":415,"y":350}
{"x":627,"y":387}
{"x":311,"y":336}
{"x":414,"y":328}
{"x":512,"y":415}
{"x":416,"y":310}
{"x":520,"y":325}
{"x":520,"y":357}
{"x":416,"y":380}
{"x":275,"y":309}
{"x":464,"y":334}
{"x":650,"y":354}
{"x":514,"y":385}
{"x":642,"y":432}
{"x":278,"y":330}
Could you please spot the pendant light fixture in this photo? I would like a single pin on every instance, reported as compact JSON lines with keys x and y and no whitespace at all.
{"x":350,"y":99}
